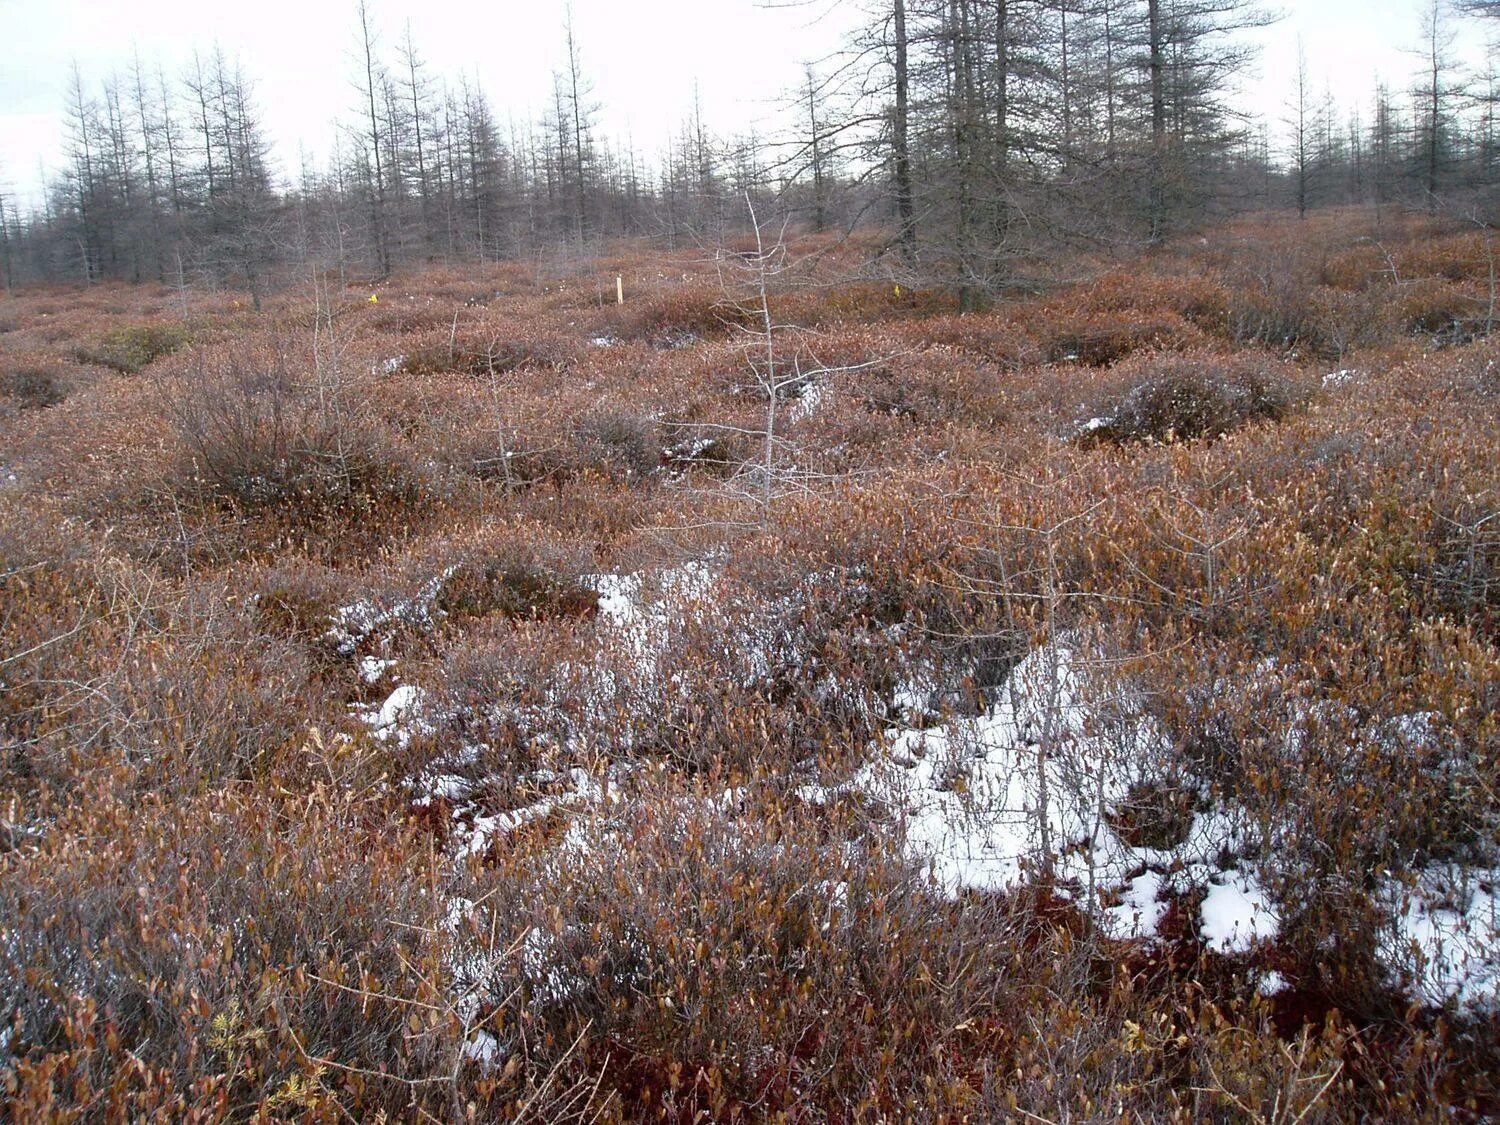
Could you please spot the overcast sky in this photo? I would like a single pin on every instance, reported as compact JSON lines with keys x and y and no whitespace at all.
{"x":643,"y":57}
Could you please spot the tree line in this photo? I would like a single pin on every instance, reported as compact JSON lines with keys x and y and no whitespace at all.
{"x":1004,"y":127}
{"x":979,"y":132}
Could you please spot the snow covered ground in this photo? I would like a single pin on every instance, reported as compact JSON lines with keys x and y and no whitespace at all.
{"x":1445,"y":936}
{"x":1029,"y":788}
{"x":1033,"y":787}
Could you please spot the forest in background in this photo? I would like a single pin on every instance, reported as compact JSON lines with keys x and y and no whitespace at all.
{"x":981,"y":132}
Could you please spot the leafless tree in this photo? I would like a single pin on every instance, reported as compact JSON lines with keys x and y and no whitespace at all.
{"x":370,"y":81}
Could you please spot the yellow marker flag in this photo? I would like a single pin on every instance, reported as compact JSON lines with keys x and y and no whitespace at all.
{"x":374,"y":299}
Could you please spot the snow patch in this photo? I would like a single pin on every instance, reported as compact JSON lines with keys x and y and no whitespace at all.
{"x":355,"y":624}
{"x":1271,"y":983}
{"x":1030,"y":788}
{"x":1142,"y":908}
{"x":1026,"y":788}
{"x":399,"y":718}
{"x":372,"y":668}
{"x":483,"y":1049}
{"x":814,"y":398}
{"x":1444,"y":937}
{"x":1237,"y":913}
{"x":1093,"y":426}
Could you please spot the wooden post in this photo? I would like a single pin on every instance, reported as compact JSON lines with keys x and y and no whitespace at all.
{"x":619,"y":289}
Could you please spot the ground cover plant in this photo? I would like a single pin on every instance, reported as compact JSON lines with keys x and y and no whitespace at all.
{"x":487,"y":702}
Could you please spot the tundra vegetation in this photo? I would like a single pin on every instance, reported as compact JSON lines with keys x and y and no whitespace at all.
{"x":780,"y":696}
{"x":982,"y":606}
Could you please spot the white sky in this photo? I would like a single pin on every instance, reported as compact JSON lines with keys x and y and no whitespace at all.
{"x":643,"y":57}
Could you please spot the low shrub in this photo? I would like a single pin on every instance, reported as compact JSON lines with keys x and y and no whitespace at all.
{"x":224,"y":942}
{"x":297,"y":599}
{"x":1466,"y":256}
{"x":340,"y":798}
{"x":316,"y":477}
{"x":33,"y":387}
{"x":869,"y":302}
{"x":130,"y":349}
{"x":932,"y":389}
{"x":990,"y":337}
{"x":1203,"y":300}
{"x":1174,"y":398}
{"x":714,"y":454}
{"x":1104,"y":338}
{"x":1438,"y":309}
{"x":699,"y":978}
{"x":618,"y":442}
{"x":1274,"y":310}
{"x":680,"y":317}
{"x":256,"y":438}
{"x":486,"y":359}
{"x":522,"y":586}
{"x":408,"y":317}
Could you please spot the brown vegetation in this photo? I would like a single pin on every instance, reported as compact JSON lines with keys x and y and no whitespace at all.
{"x":336,"y":781}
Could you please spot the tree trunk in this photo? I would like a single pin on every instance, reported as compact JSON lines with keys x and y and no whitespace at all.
{"x":1002,"y":120}
{"x":377,"y":200}
{"x":1157,"y":203}
{"x":906,"y":215}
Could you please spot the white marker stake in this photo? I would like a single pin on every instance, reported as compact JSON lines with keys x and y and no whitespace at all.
{"x":619,"y":289}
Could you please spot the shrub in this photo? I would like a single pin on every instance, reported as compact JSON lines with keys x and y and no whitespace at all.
{"x":33,"y":387}
{"x":716,"y":454}
{"x":932,"y":389}
{"x":373,"y":810}
{"x":618,"y":442}
{"x":1438,"y":309}
{"x":515,"y":467}
{"x":1467,"y":256}
{"x":296,"y":600}
{"x":1182,"y":398}
{"x":198,"y":933}
{"x":520,"y":587}
{"x":995,"y":339}
{"x":256,"y":438}
{"x":407,"y":317}
{"x":487,"y":359}
{"x":131,"y":348}
{"x":874,"y":302}
{"x":1105,"y":338}
{"x":1201,"y":299}
{"x":181,"y":708}
{"x":1275,"y":310}
{"x":679,"y":317}
{"x":770,"y":992}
